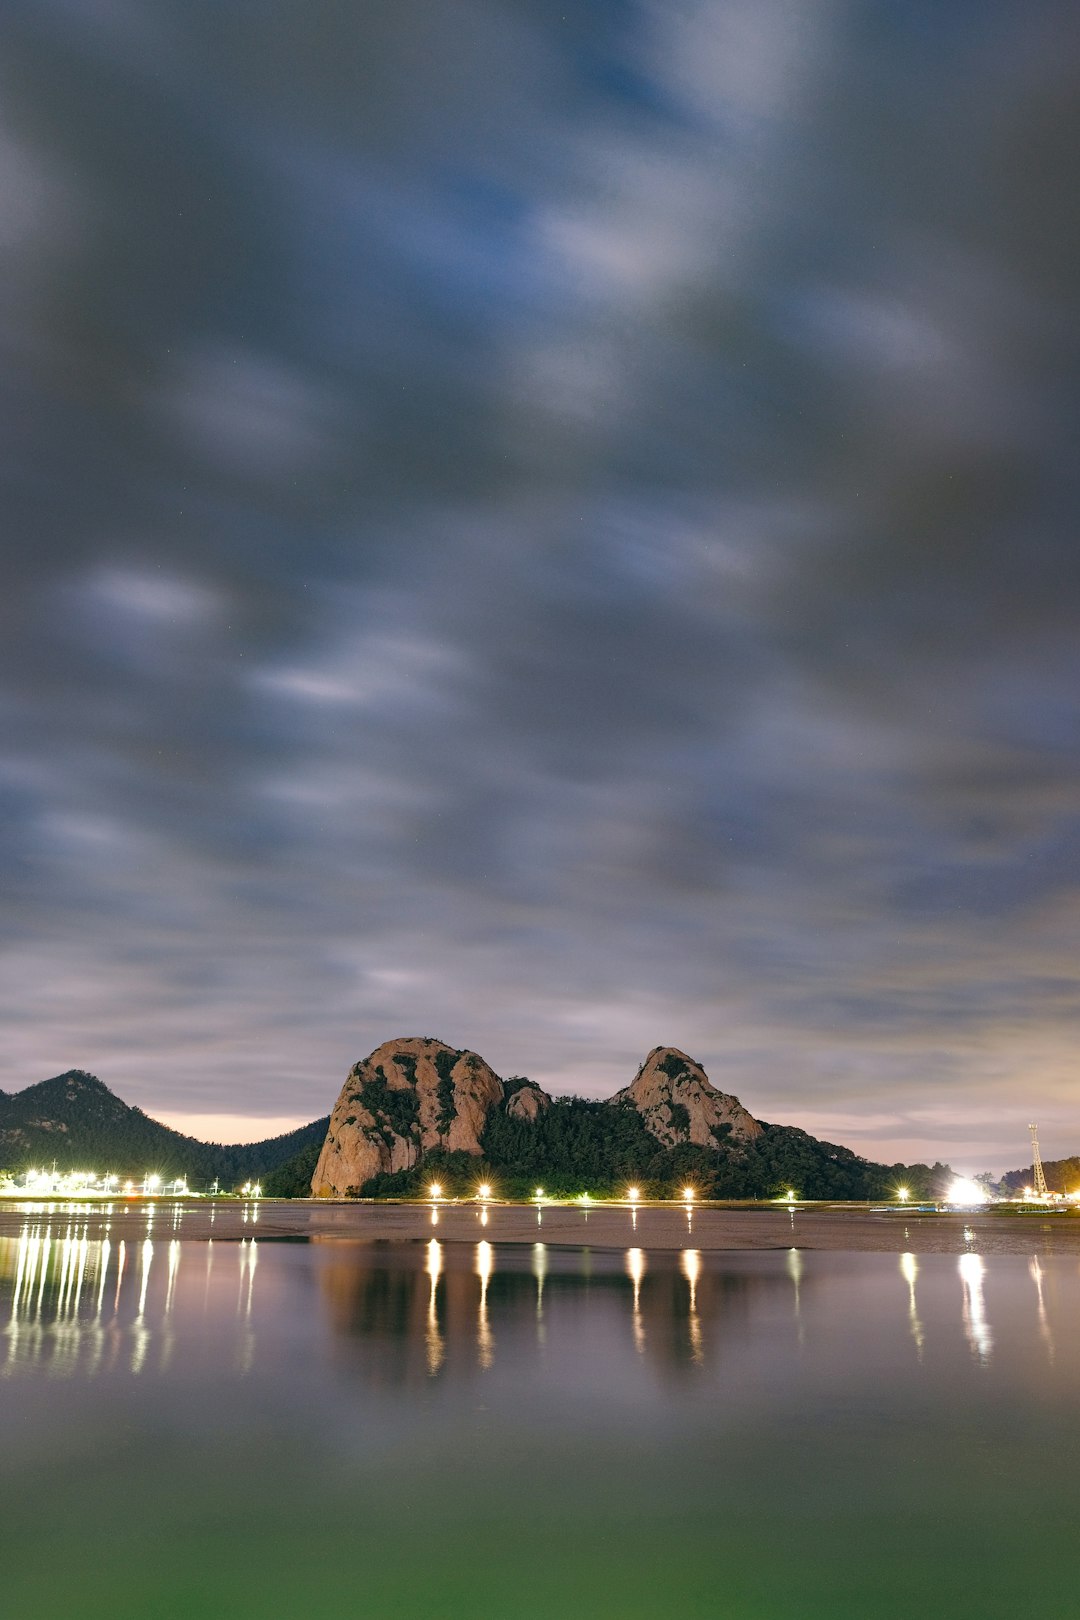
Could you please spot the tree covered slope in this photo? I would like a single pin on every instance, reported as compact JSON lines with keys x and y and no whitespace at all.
{"x":75,"y":1121}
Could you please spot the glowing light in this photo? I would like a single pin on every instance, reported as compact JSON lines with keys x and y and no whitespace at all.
{"x":909,"y":1270}
{"x":539,"y":1193}
{"x":688,"y":1195}
{"x":903,"y":1193}
{"x":484,"y":1190}
{"x":584,"y":1199}
{"x":634,"y":1193}
{"x":152,"y":1183}
{"x":790,"y":1195}
{"x":976,"y":1326}
{"x":635,"y":1267}
{"x":435,"y":1190}
{"x":539,"y":1271}
{"x":965,"y":1194}
{"x":485,"y":1265}
{"x":435,"y":1350}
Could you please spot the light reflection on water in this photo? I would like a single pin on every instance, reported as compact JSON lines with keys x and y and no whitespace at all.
{"x":909,"y":1268}
{"x":76,"y":1303}
{"x":1036,"y":1270}
{"x":976,"y":1326}
{"x":620,"y":1433}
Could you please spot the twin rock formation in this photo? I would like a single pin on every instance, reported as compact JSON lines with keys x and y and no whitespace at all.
{"x":413,"y":1095}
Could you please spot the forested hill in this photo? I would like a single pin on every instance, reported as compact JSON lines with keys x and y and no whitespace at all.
{"x":574,"y":1146}
{"x":1062,"y":1175}
{"x":75,"y":1121}
{"x":571,"y":1146}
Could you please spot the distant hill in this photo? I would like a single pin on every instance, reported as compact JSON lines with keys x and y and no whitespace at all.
{"x":75,"y":1121}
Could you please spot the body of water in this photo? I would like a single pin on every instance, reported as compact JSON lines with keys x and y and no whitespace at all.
{"x":523,"y":1431}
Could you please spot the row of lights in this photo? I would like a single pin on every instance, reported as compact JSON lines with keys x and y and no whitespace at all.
{"x":484,"y":1194}
{"x":87,"y":1181}
{"x":633,"y":1194}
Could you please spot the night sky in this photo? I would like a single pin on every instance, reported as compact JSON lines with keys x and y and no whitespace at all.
{"x":553,"y":527}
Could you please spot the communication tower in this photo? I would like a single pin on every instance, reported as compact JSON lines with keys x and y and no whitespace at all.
{"x":1036,"y":1163}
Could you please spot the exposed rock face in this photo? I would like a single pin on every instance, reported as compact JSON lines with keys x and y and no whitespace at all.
{"x":527,"y":1101}
{"x":673,"y":1095}
{"x":409,"y":1096}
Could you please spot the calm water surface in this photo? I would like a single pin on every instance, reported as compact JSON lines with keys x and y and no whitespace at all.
{"x":499,"y":1431}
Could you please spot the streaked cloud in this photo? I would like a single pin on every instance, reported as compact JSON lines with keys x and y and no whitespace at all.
{"x":549,"y":529}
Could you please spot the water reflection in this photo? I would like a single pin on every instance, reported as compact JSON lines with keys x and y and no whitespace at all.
{"x":74,"y":1304}
{"x":909,"y":1270}
{"x":691,"y":1266}
{"x":539,"y":1271}
{"x":1036,"y":1270}
{"x":635,"y":1270}
{"x":976,"y":1326}
{"x":249,"y":1254}
{"x":485,"y":1343}
{"x":433,"y":1338}
{"x":408,"y":1313}
{"x":76,"y":1298}
{"x":795,"y":1272}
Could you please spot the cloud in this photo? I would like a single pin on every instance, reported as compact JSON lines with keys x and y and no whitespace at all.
{"x":548,"y":530}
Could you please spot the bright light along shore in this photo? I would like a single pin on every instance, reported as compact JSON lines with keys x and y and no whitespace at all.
{"x":965,"y":1194}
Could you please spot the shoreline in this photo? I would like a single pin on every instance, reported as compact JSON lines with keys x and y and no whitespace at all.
{"x":646,"y":1226}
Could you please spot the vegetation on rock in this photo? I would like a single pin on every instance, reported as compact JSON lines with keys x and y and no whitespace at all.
{"x":602,"y":1148}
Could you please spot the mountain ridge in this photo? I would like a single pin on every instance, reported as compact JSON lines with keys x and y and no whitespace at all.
{"x":397,"y":1125}
{"x":75,"y":1120}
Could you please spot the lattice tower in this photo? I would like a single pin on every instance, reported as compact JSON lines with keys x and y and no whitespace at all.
{"x":1036,"y":1162}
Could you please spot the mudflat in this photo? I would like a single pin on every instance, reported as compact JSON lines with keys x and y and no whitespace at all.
{"x":650,"y":1227}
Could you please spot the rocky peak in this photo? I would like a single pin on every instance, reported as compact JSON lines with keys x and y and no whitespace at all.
{"x":678,"y":1103}
{"x":409,"y":1096}
{"x":526,"y":1100}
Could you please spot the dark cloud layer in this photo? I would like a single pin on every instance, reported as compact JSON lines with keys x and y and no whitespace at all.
{"x":551,"y":530}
